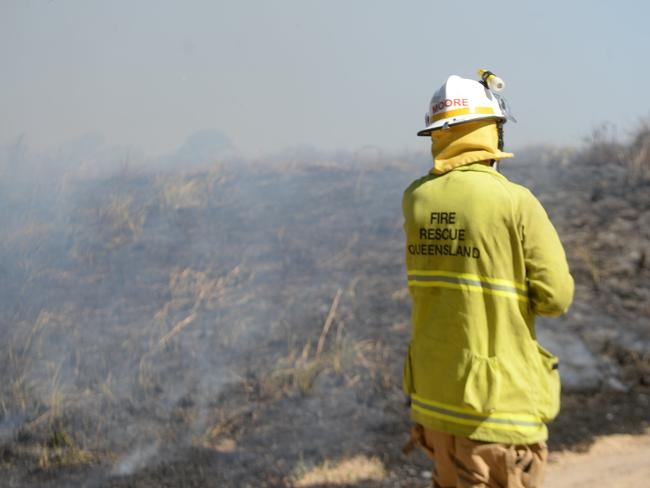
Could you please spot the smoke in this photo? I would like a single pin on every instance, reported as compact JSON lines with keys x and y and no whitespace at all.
{"x":248,"y":314}
{"x":134,"y":460}
{"x":148,"y":304}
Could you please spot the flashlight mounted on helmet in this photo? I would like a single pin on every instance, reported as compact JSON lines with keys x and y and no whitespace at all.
{"x":495,"y":84}
{"x":491,"y":81}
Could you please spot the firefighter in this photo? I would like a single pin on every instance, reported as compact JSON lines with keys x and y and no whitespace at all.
{"x":482,"y":260}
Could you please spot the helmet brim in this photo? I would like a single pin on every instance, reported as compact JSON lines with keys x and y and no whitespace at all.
{"x":461,"y":119}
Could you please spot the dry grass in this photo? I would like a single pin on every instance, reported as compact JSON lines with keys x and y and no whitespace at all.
{"x":604,"y":147}
{"x":639,"y":154}
{"x":587,"y":258}
{"x":344,"y":472}
{"x":156,"y":288}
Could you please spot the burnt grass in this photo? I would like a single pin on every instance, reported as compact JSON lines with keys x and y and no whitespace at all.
{"x":236,"y":324}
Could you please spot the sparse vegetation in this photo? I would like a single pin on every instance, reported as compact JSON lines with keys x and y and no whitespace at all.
{"x":607,"y":148}
{"x":344,"y":473}
{"x":639,"y":154}
{"x":247,"y":324}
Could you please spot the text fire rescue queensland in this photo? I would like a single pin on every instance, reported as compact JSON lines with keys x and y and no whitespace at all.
{"x":443,"y":238}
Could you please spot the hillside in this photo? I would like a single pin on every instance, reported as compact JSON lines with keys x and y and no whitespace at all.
{"x":240,"y":324}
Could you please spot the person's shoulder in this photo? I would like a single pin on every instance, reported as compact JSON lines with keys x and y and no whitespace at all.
{"x":417,"y":183}
{"x":518,"y":191}
{"x":523,"y":199}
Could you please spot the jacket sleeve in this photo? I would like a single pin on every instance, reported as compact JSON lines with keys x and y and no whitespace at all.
{"x":550,"y":285}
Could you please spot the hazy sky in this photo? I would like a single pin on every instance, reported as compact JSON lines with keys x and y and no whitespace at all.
{"x":333,"y":74}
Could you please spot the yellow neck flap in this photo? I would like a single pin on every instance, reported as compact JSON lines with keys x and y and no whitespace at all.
{"x":465,"y":143}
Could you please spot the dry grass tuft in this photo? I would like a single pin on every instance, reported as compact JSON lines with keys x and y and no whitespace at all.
{"x":346,"y":471}
{"x":604,"y":147}
{"x":189,"y":190}
{"x":639,"y":154}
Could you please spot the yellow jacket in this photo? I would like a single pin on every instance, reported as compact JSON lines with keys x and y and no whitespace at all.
{"x":482,"y":260}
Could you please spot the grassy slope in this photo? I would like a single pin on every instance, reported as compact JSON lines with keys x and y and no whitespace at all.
{"x":236,"y":324}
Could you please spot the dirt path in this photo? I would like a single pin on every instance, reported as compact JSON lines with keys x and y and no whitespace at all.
{"x":617,"y":461}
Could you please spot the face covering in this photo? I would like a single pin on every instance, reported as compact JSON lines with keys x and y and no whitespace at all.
{"x":465,"y":143}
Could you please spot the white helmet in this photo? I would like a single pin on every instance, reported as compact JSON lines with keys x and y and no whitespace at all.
{"x":461,"y":100}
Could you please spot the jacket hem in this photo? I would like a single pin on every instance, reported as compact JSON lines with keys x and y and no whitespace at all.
{"x":483,"y":431}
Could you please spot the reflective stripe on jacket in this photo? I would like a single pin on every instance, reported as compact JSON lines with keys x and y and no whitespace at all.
{"x":482,"y":260}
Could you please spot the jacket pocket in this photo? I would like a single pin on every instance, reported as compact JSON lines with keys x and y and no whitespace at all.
{"x":407,"y":377}
{"x":548,"y":393}
{"x":483,"y":382}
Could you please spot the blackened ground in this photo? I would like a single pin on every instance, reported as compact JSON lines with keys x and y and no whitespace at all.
{"x":237,"y":326}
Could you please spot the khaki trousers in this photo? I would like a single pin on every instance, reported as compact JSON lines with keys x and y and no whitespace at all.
{"x":464,"y":463}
